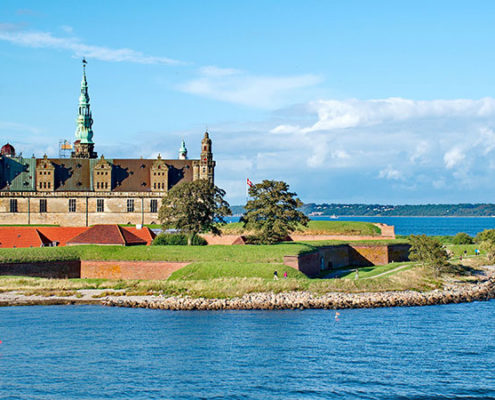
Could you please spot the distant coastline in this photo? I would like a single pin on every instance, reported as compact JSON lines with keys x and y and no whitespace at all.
{"x":385,"y":210}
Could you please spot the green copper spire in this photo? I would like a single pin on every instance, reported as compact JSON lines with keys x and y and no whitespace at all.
{"x":84,"y":131}
{"x":183,"y":151}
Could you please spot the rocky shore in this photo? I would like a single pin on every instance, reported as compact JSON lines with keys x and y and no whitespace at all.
{"x":456,"y":292}
{"x":480,"y":291}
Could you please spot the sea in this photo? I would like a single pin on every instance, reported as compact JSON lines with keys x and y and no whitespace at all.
{"x":96,"y":352}
{"x":440,"y":226}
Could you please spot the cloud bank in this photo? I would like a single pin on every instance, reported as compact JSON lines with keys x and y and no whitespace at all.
{"x":35,"y":39}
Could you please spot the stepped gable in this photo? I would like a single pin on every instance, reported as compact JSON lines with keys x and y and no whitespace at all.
{"x":27,"y":236}
{"x":144,"y":233}
{"x":106,"y":235}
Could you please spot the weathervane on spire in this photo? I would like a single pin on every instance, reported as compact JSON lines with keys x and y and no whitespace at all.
{"x":84,"y":62}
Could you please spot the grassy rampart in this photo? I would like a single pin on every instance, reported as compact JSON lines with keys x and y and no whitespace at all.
{"x":214,"y":253}
{"x":348,"y":228}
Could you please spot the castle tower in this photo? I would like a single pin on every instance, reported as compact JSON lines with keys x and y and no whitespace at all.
{"x":84,"y":145}
{"x":183,"y":151}
{"x":206,"y":164}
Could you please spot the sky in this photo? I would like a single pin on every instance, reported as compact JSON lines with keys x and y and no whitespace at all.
{"x":348,"y":101}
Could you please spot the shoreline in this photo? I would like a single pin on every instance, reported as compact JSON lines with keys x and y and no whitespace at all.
{"x":458,"y":292}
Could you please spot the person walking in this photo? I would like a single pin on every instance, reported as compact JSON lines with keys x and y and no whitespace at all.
{"x":285,"y":274}
{"x":275,"y":275}
{"x":356,"y":276}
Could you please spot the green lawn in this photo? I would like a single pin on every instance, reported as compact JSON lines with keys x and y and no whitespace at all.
{"x":215,"y":270}
{"x":321,"y":228}
{"x":213,"y":253}
{"x":368,"y":272}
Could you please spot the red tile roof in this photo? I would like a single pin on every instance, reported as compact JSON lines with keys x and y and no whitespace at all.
{"x":22,"y":237}
{"x":61,"y":234}
{"x":144,"y":233}
{"x":107,"y":235}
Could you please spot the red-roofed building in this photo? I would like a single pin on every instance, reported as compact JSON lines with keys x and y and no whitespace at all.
{"x":111,"y":235}
{"x":11,"y":237}
{"x":43,"y":236}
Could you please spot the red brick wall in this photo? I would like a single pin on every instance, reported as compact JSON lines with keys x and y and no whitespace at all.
{"x":347,"y":255}
{"x":54,"y":269}
{"x":129,"y":269}
{"x":308,"y":264}
{"x":361,"y":256}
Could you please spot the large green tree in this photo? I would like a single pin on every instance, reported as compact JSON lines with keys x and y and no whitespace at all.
{"x":272,"y":211}
{"x":194,"y":207}
{"x":428,"y":251}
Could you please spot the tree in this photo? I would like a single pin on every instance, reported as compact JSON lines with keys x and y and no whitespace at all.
{"x":429,"y":252}
{"x":272,"y":211}
{"x":194,"y":207}
{"x":462,"y":238}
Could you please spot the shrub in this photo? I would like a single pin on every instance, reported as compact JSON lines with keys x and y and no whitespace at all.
{"x":486,"y":235}
{"x":462,"y":238}
{"x":428,"y":251}
{"x":177,"y":239}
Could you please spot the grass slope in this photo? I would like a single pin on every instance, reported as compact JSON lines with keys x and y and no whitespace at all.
{"x":354,"y":228}
{"x":214,"y":253}
{"x":215,"y":270}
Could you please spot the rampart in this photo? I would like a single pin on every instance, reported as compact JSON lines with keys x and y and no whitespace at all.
{"x":147,"y":270}
{"x":359,"y":255}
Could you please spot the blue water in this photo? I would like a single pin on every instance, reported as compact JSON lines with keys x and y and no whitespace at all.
{"x":92,"y":352}
{"x":426,"y":225}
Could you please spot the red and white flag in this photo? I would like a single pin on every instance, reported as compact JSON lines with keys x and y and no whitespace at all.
{"x":250,"y":184}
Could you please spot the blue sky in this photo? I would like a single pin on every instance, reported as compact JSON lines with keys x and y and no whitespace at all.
{"x":347,"y":101}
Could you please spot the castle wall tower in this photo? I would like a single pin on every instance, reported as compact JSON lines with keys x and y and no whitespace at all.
{"x":206,"y":163}
{"x":84,"y":145}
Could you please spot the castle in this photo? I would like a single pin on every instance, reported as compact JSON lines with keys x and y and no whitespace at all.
{"x":84,"y":190}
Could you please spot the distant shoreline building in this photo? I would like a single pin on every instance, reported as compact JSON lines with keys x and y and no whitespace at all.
{"x":85,"y":190}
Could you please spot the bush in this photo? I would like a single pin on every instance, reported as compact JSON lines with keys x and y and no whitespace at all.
{"x":486,"y":235}
{"x":177,"y":239}
{"x":462,"y":238}
{"x":428,"y":251}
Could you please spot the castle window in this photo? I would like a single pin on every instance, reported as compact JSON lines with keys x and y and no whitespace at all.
{"x":48,"y":185}
{"x":100,"y":205}
{"x":44,"y":185}
{"x":13,"y":205}
{"x":72,"y":205}
{"x":97,"y":185}
{"x":154,"y":185}
{"x":154,"y":206}
{"x":42,"y":205}
{"x":130,"y":205}
{"x":106,"y":185}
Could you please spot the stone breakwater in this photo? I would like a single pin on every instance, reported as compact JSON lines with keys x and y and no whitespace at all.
{"x":480,"y":291}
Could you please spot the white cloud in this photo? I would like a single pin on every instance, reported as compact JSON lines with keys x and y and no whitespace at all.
{"x":285,"y":129}
{"x":453,"y":157}
{"x":336,"y":114}
{"x":16,"y":35}
{"x":240,"y":87}
{"x":390,"y":173}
